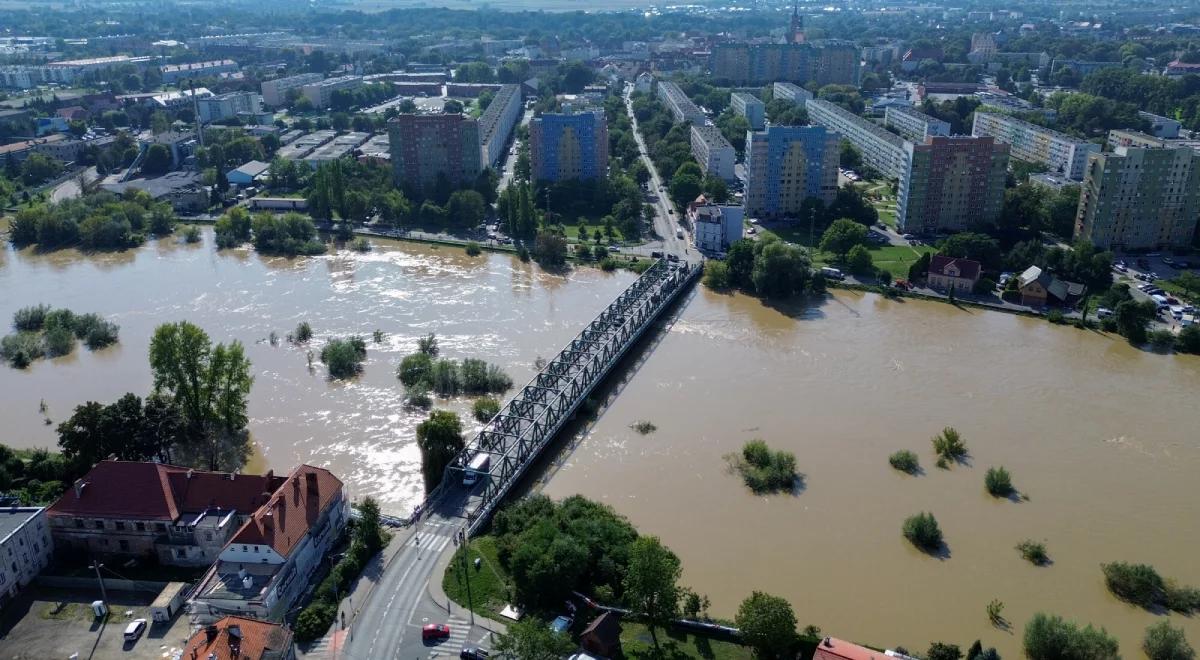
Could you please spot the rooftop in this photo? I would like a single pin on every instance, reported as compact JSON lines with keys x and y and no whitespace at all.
{"x":11,"y":519}
{"x":238,"y":638}
{"x":193,"y":66}
{"x":283,"y":521}
{"x":832,"y":648}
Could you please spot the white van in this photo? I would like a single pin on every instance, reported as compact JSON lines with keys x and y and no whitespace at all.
{"x":479,"y":465}
{"x":134,"y":629}
{"x":832,"y":273}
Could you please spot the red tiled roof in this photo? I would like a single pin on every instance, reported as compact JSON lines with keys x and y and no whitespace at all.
{"x":283,"y":521}
{"x":832,"y":648}
{"x":237,"y":638}
{"x":967,"y":268}
{"x":153,"y":491}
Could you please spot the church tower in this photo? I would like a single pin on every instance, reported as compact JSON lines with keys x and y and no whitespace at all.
{"x":796,"y":34}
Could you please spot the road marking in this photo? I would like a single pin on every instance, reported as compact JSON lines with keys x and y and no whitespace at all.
{"x":388,"y":608}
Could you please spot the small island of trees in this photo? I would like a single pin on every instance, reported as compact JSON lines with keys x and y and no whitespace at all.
{"x":50,"y":333}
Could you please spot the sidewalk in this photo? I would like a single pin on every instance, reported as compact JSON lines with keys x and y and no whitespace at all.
{"x":329,"y":645}
{"x":438,"y":596}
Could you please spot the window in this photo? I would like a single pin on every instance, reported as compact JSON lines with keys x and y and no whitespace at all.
{"x":160,"y":527}
{"x":180,"y":553}
{"x":120,"y":525}
{"x":99,"y":524}
{"x":124,"y":545}
{"x":141,"y":527}
{"x":79,"y":523}
{"x":256,"y":549}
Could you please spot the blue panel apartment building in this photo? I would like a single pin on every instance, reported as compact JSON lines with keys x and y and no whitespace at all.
{"x":569,"y":146}
{"x":788,"y":164}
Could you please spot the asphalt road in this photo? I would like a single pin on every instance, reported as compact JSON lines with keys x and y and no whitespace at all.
{"x":665,"y":217}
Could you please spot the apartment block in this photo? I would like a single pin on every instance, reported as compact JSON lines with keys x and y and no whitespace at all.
{"x":679,"y":104}
{"x":569,"y":146}
{"x":1140,"y":198}
{"x":172,"y":73}
{"x":426,"y":146}
{"x":881,"y":149}
{"x":497,"y":122}
{"x":792,"y":92}
{"x":714,"y":153}
{"x":787,"y":165}
{"x":228,"y":106}
{"x":748,"y":106}
{"x":914,"y":124}
{"x":1059,"y":152}
{"x":824,"y":64}
{"x":320,"y":93}
{"x":25,"y":548}
{"x":715,"y":227}
{"x":951,"y":184}
{"x":1161,"y":127}
{"x":274,"y":92}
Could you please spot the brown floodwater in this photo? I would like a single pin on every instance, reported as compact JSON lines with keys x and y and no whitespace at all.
{"x":1099,"y":436}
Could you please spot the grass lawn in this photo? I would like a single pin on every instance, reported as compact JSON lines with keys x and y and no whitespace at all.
{"x":1172,"y":289}
{"x":636,"y":642}
{"x":894,"y":258}
{"x":572,"y":234}
{"x":489,"y":584}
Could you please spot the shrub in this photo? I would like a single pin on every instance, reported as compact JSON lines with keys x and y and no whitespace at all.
{"x":58,"y":341}
{"x":95,"y":331}
{"x":1050,"y":637}
{"x":716,"y":275}
{"x":941,"y":650}
{"x":314,"y":621}
{"x":523,"y":254}
{"x":1056,"y":317}
{"x":1163,"y":642}
{"x":418,"y":395}
{"x":344,"y":357}
{"x":428,"y":345}
{"x":415,"y":369}
{"x":905,"y":461}
{"x":361,"y":244}
{"x":998,"y":482}
{"x":444,"y":377}
{"x":1162,"y":340}
{"x":21,"y":349}
{"x":763,"y":470}
{"x":1033,"y":552}
{"x":608,"y":264}
{"x":644,"y":427}
{"x":949,"y":445}
{"x":30,"y":319}
{"x":1139,"y":584}
{"x":473,"y":249}
{"x":484,"y":409}
{"x":1182,"y":599}
{"x":922,"y":531}
{"x":61,"y":318}
{"x":479,"y":377}
{"x":191,"y":234}
{"x":303,"y":332}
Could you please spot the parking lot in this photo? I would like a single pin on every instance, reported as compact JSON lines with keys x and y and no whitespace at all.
{"x":55,"y":623}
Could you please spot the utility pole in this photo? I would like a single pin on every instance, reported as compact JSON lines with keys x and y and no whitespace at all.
{"x":467,"y":576}
{"x":103,"y":595}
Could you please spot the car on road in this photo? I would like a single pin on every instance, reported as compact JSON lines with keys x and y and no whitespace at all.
{"x":135,"y":630}
{"x":614,"y":248}
{"x":435,"y":631}
{"x":471,"y":653}
{"x":907,"y":237}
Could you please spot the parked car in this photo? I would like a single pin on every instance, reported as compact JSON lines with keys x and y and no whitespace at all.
{"x":832,"y":273}
{"x":435,"y":631}
{"x":135,"y":630}
{"x":1104,"y":312}
{"x":470,"y":653}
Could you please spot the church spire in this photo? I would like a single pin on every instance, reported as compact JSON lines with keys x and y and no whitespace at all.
{"x":796,"y":34}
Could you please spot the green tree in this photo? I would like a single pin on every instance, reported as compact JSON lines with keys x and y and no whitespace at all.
{"x":859,"y":261}
{"x":1050,"y":637}
{"x":157,"y":160}
{"x":780,"y":270}
{"x":367,"y":531}
{"x":344,"y":357}
{"x":943,"y":651}
{"x":532,"y":639}
{"x":440,"y":439}
{"x":550,"y":249}
{"x":1132,"y":318}
{"x":466,"y":208}
{"x":416,"y":369}
{"x":1165,"y":642}
{"x":922,"y":531}
{"x":841,"y":236}
{"x":998,"y":482}
{"x":651,"y":582}
{"x":767,"y":624}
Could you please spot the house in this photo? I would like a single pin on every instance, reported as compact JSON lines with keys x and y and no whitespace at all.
{"x":179,"y":516}
{"x":832,"y":648}
{"x":1039,"y":289}
{"x":272,"y":558}
{"x":239,"y":638}
{"x":184,"y":191}
{"x":716,"y":227}
{"x":25,"y":546}
{"x":247,"y":174}
{"x":73,"y":113}
{"x":602,"y":637}
{"x":952,"y":274}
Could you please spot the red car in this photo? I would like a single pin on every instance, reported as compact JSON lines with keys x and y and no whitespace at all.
{"x":435,"y":631}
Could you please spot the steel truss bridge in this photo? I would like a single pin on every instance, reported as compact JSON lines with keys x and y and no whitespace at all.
{"x":518,"y":434}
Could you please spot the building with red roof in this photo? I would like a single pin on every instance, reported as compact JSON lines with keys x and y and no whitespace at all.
{"x":953,"y":274}
{"x":180,"y":516}
{"x":239,"y":638}
{"x":832,"y":648}
{"x":271,"y":558}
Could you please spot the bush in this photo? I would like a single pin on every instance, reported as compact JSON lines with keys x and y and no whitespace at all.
{"x":30,"y":319}
{"x":1139,"y":584}
{"x":905,"y":461}
{"x":444,"y":377}
{"x":763,"y":470}
{"x":314,"y":621}
{"x":361,"y":244}
{"x":1050,"y":637}
{"x":191,"y":234}
{"x":484,"y":409}
{"x":428,"y":345}
{"x":1033,"y":552}
{"x":479,"y":377}
{"x":303,"y":332}
{"x":473,"y":249}
{"x":998,"y":482}
{"x":1188,"y":340}
{"x":1163,"y":642}
{"x":21,"y":349}
{"x":1162,"y":340}
{"x":418,"y":395}
{"x":344,"y":357}
{"x":608,"y":264}
{"x":1056,"y":317}
{"x":949,"y":445}
{"x":95,"y":332}
{"x":58,"y":341}
{"x":922,"y":531}
{"x":415,"y":369}
{"x":716,"y":275}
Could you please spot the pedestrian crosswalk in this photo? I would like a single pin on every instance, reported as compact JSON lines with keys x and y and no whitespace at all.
{"x":462,"y":635}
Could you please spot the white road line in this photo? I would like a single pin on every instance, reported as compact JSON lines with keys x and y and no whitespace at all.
{"x":387,"y":609}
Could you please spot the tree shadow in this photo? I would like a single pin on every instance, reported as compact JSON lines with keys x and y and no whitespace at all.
{"x":802,"y":307}
{"x":799,"y":484}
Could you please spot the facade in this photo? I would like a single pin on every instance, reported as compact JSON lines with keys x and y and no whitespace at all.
{"x":679,"y":104}
{"x":1140,"y":198}
{"x":748,"y":106}
{"x":173,"y":73}
{"x":25,"y":548}
{"x":714,"y":153}
{"x":1161,"y":127}
{"x":497,"y":122}
{"x":715,"y":227}
{"x":274,"y":92}
{"x":228,"y":106}
{"x":951,"y":274}
{"x":1061,"y":153}
{"x":247,"y":174}
{"x":832,"y":648}
{"x":1039,"y":289}
{"x":320,"y":93}
{"x":788,"y":164}
{"x":271,"y":559}
{"x":792,"y":92}
{"x":826,"y":63}
{"x":644,"y":83}
{"x":240,"y":638}
{"x":913,"y":124}
{"x":569,"y":146}
{"x":881,"y":149}
{"x":426,"y":146}
{"x":951,"y":184}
